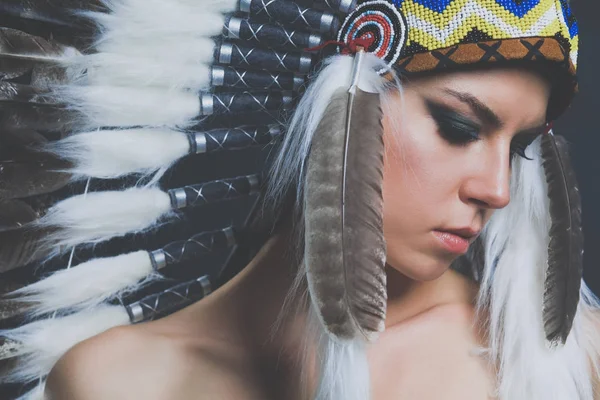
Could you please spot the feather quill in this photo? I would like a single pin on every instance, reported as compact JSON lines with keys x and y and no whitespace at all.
{"x":345,"y":248}
{"x":65,"y":14}
{"x":565,"y":250}
{"x":21,"y":53}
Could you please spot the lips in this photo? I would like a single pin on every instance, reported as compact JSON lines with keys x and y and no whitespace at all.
{"x":465,"y":233}
{"x":456,"y":241}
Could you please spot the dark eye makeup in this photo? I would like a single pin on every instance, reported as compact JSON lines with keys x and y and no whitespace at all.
{"x":459,"y":130}
{"x":454,"y":127}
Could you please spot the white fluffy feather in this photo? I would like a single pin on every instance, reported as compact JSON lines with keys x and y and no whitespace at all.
{"x":155,"y":43}
{"x":114,"y":153}
{"x":42,"y":343}
{"x":146,"y":53}
{"x":344,"y":370}
{"x":512,"y":292}
{"x":88,"y":284}
{"x":172,"y":49}
{"x":164,"y":71}
{"x":127,"y":106}
{"x":588,"y":317}
{"x":224,"y":6}
{"x":99,"y":216}
{"x":144,"y":10}
{"x":140,"y":18}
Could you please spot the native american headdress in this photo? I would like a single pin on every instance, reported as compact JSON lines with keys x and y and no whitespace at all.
{"x":128,"y":126}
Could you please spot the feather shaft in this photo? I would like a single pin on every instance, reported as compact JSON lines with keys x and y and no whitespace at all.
{"x":345,"y":250}
{"x":18,"y":45}
{"x":48,"y":12}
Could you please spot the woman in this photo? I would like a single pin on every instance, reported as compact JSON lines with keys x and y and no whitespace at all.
{"x":403,"y":158}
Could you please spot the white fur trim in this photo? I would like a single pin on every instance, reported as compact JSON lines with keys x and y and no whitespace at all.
{"x":163,"y":70}
{"x":114,"y":153}
{"x":344,"y":370}
{"x":99,"y":216}
{"x":588,"y":320}
{"x":126,"y":106}
{"x":89,"y":284}
{"x":157,"y":18}
{"x":154,"y":43}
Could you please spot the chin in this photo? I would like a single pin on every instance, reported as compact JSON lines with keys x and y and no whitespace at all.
{"x":421,"y":267}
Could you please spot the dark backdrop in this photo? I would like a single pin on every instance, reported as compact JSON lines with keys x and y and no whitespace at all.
{"x":580,"y":125}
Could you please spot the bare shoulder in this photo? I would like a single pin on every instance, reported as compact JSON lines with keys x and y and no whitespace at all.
{"x":132,"y":362}
{"x":116,"y":364}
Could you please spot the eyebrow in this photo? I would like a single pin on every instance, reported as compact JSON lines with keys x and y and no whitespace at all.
{"x":481,"y":110}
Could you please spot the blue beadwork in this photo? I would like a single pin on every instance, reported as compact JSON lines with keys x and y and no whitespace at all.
{"x":569,"y":18}
{"x":520,"y":9}
{"x":397,"y":3}
{"x":435,"y":5}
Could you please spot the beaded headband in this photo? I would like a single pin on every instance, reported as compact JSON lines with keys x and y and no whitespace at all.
{"x":417,"y":36}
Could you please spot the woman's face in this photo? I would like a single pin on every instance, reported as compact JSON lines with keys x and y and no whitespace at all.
{"x":448,"y":160}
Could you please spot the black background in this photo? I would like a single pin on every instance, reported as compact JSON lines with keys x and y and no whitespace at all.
{"x":581,"y":126}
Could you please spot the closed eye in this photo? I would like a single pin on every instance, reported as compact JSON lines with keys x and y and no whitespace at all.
{"x":454,"y":127}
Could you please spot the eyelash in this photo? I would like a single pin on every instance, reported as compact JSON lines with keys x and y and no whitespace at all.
{"x":459,"y":131}
{"x":518,"y":149}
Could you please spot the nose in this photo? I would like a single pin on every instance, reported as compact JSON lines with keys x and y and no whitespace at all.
{"x":488,"y":186}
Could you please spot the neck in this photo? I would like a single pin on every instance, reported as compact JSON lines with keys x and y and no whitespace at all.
{"x":408,"y":298}
{"x":248,"y":308}
{"x":244,"y":320}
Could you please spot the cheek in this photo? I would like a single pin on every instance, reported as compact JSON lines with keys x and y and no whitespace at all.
{"x":414,"y":185}
{"x":415,"y":194}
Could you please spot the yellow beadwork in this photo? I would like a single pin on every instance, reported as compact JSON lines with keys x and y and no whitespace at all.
{"x":434,"y":30}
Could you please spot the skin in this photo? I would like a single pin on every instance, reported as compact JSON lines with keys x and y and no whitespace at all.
{"x":220,"y":349}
